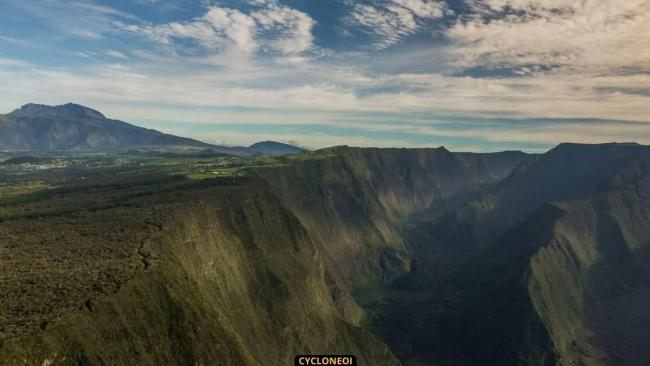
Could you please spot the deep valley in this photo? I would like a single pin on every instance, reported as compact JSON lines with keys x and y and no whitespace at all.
{"x":399,"y":256}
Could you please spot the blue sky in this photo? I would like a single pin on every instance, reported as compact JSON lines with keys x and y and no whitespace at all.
{"x":479,"y":75}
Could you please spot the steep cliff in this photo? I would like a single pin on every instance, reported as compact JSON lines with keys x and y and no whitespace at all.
{"x":549,"y":267}
{"x":356,"y":202}
{"x":590,"y":283}
{"x":463,"y":259}
{"x":236,"y":272}
{"x":186,"y":274}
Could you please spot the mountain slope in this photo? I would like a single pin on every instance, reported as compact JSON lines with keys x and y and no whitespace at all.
{"x":577,"y":272}
{"x":591,"y":283}
{"x":355,"y":201}
{"x":173,"y":273}
{"x":232,"y":271}
{"x":73,"y":127}
{"x":553,"y":261}
{"x":567,"y":172}
{"x":250,"y":271}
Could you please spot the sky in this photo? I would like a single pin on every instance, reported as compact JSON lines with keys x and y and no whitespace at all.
{"x":471,"y":75}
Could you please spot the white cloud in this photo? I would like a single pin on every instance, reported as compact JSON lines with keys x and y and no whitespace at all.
{"x":585,"y":36}
{"x":391,"y":20}
{"x":294,"y":28}
{"x":78,"y":18}
{"x":271,"y":27}
{"x":240,"y":28}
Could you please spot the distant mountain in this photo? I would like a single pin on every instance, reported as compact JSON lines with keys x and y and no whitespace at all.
{"x":36,"y":127}
{"x":275,"y":148}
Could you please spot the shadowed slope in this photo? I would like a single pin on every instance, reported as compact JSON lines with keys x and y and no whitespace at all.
{"x":551,"y":266}
{"x":591,"y":283}
{"x":355,"y":202}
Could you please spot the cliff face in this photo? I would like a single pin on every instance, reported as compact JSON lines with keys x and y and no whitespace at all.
{"x":591,"y":283}
{"x":567,"y":172}
{"x":556,"y":263}
{"x":576,"y":274}
{"x":236,"y":272}
{"x":490,"y":259}
{"x":220,"y":274}
{"x":356,"y":203}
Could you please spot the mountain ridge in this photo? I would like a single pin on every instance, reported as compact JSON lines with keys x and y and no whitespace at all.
{"x":63,"y":110}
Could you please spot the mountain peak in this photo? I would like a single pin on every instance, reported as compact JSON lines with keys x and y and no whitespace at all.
{"x":66,"y":110}
{"x":37,"y":127}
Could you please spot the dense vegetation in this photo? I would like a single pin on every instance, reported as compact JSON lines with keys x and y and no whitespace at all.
{"x":165,"y":270}
{"x":421,"y":255}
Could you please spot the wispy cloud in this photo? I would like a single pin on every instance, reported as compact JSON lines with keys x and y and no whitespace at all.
{"x":10,"y":39}
{"x":388,"y":21}
{"x":597,"y":36}
{"x":116,"y":54}
{"x":8,"y":62}
{"x":80,"y":18}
